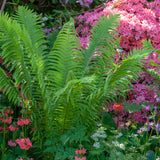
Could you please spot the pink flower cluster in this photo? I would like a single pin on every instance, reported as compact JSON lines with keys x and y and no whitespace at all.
{"x":5,"y":118}
{"x":85,"y":23}
{"x":141,"y":93}
{"x":22,"y":122}
{"x":80,"y":152}
{"x":11,"y":143}
{"x":12,"y":128}
{"x":85,"y":3}
{"x":139,"y":21}
{"x":24,"y":143}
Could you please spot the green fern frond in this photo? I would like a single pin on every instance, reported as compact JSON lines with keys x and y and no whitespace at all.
{"x":119,"y":78}
{"x":13,"y":52}
{"x":9,"y":88}
{"x":64,"y":57}
{"x":34,"y":41}
{"x":153,"y":78}
{"x":103,"y":33}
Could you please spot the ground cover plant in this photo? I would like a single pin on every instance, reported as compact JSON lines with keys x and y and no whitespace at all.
{"x":67,"y":101}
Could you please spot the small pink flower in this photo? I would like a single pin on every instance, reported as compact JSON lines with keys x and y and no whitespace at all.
{"x":11,"y":128}
{"x":77,"y":151}
{"x":8,"y":120}
{"x":10,"y":143}
{"x":76,"y":158}
{"x":83,"y":150}
{"x":26,"y":122}
{"x":139,"y":131}
{"x":22,"y":122}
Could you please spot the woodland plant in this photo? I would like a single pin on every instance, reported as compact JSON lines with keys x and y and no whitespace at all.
{"x":123,"y":144}
{"x":64,"y":88}
{"x":14,"y":135}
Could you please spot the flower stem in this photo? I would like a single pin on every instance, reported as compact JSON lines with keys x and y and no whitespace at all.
{"x":118,"y":121}
{"x":4,"y":138}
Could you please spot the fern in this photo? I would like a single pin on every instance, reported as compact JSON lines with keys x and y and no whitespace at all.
{"x":153,"y":77}
{"x":64,"y":57}
{"x":67,"y":85}
{"x":99,"y":39}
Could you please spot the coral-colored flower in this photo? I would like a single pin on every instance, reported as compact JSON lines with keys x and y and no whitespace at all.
{"x":8,"y":120}
{"x":7,"y":111}
{"x":77,"y":151}
{"x":24,"y":143}
{"x":22,"y":122}
{"x":118,"y":107}
{"x":26,"y":122}
{"x":80,"y":151}
{"x":83,"y":150}
{"x":12,"y":112}
{"x":11,"y":128}
{"x":10,"y":143}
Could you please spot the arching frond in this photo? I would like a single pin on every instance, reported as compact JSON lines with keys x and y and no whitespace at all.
{"x":153,"y":78}
{"x":13,"y":52}
{"x":9,"y":88}
{"x":64,"y":57}
{"x":34,"y":41}
{"x":102,"y":37}
{"x":119,"y":79}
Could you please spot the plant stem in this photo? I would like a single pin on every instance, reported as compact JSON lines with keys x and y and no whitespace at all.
{"x":133,"y":119}
{"x":118,"y":120}
{"x":4,"y":137}
{"x":3,"y":6}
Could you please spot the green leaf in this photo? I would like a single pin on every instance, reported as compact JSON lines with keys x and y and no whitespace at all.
{"x":133,"y":107}
{"x":150,"y":155}
{"x":51,"y":149}
{"x":108,"y":120}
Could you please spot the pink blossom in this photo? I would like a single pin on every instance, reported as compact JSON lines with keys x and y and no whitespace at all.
{"x":24,"y":143}
{"x":11,"y":143}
